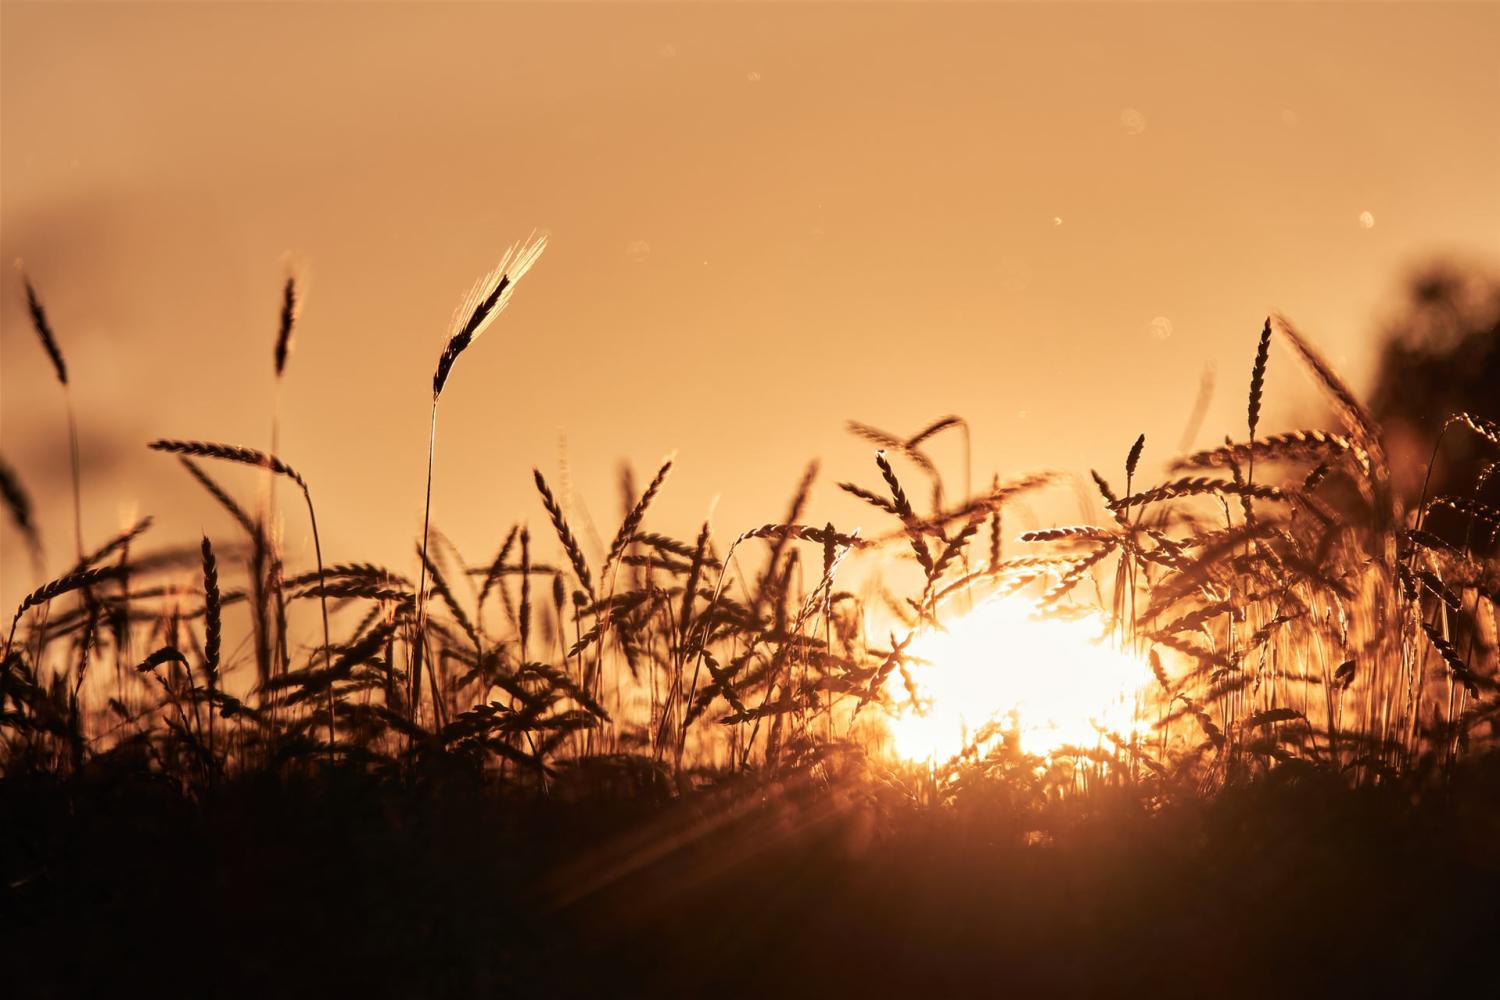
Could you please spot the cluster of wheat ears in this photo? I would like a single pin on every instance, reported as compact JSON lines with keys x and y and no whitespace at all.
{"x":1294,"y":612}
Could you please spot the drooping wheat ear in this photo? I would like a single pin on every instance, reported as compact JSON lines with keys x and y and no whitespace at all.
{"x":1300,"y":444}
{"x":937,"y":426}
{"x":565,"y":535}
{"x":802,"y":532}
{"x":44,"y":331}
{"x":1075,"y":572}
{"x":889,"y":442}
{"x":485,"y":301}
{"x":1461,"y":672}
{"x":166,"y":654}
{"x":632,"y":521}
{"x":997,"y":497}
{"x":370,"y":590}
{"x":873,"y":499}
{"x":1352,"y":413}
{"x":19,"y":504}
{"x":49,"y":344}
{"x":671,"y":547}
{"x":249,"y":456}
{"x":1103,"y":485}
{"x":352,"y":571}
{"x":291,"y":305}
{"x":1197,"y":485}
{"x":1081,"y":532}
{"x":915,"y":455}
{"x":940,"y":425}
{"x":63,"y":585}
{"x":230,"y":453}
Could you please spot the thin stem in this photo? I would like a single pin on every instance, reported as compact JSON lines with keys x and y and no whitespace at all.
{"x":323,"y":602}
{"x":416,"y":680}
{"x":77,"y":472}
{"x":270,"y":535}
{"x":1427,"y":477}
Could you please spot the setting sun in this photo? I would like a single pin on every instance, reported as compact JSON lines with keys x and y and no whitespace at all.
{"x":1052,"y":680}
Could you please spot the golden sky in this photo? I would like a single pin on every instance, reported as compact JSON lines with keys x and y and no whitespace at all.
{"x":763,"y":220}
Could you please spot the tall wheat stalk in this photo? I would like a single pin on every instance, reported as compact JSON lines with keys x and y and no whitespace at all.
{"x":249,"y":456}
{"x":291,"y":307}
{"x":486,"y":300}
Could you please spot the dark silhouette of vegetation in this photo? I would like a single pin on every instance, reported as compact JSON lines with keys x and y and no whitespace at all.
{"x":1440,"y":355}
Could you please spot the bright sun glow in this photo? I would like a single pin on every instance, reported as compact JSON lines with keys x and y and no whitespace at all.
{"x":1053,"y":680}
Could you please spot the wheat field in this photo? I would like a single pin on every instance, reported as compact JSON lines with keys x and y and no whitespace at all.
{"x":617,"y":747}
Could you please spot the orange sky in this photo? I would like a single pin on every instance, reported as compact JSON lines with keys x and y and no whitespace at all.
{"x":763,"y":220}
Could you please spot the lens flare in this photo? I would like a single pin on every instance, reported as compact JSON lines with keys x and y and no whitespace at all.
{"x":1053,"y":680}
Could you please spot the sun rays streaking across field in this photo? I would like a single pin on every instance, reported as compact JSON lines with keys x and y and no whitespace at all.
{"x":1052,"y":680}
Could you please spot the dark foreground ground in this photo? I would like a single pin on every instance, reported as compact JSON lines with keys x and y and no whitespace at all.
{"x":351,"y":886}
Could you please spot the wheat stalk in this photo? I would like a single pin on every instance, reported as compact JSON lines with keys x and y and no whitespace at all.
{"x":1193,"y":486}
{"x":80,"y":579}
{"x":252,"y":457}
{"x":1258,"y":378}
{"x":212,"y":631}
{"x":565,"y":535}
{"x":632,"y":522}
{"x":903,"y":510}
{"x":486,"y":300}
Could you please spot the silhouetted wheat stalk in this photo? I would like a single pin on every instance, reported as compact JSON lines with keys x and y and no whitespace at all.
{"x":903,"y":510}
{"x":1258,"y":383}
{"x":19,"y":504}
{"x":1132,"y":460}
{"x":486,"y":301}
{"x":269,"y":555}
{"x":212,"y":634}
{"x":565,"y":535}
{"x":249,"y":456}
{"x":44,"y":333}
{"x":637,"y":513}
{"x":1252,"y":411}
{"x":76,"y":580}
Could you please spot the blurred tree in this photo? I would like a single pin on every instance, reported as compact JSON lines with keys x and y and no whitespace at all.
{"x":1440,"y":356}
